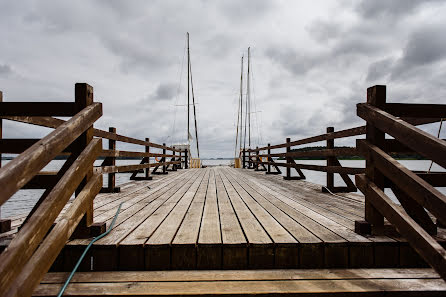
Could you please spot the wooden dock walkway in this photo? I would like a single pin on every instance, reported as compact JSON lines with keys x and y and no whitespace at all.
{"x":226,"y":218}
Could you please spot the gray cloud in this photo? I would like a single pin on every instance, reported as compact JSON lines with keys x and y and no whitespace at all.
{"x":165,"y":91}
{"x":384,"y":8}
{"x":5,"y":70}
{"x":379,"y":69}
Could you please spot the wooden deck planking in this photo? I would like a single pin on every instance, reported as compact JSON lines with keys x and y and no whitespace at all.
{"x":322,"y":282}
{"x":221,"y":217}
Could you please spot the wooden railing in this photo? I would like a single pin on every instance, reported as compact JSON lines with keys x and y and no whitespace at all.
{"x":38,"y":242}
{"x":259,"y":157}
{"x":420,"y":200}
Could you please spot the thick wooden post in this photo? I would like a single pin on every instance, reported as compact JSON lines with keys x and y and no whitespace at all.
{"x":257,"y":159}
{"x":147,"y":170}
{"x":174,"y":166}
{"x":5,"y":225}
{"x":83,"y":96}
{"x":330,"y":161}
{"x":164,"y":160}
{"x":243,"y":159}
{"x":112,"y":176}
{"x":269,"y":165}
{"x":288,"y":150}
{"x":374,"y":220}
{"x":185,"y":159}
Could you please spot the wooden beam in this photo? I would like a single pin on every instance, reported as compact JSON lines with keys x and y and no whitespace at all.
{"x":412,"y":110}
{"x":31,"y":234}
{"x":128,"y":168}
{"x":21,"y":170}
{"x":419,"y":239}
{"x":61,"y":109}
{"x":34,"y":270}
{"x":329,"y":152}
{"x":334,"y":169}
{"x":413,"y":185}
{"x":419,"y":141}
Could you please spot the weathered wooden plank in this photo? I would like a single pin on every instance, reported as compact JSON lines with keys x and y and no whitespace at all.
{"x":234,"y":241}
{"x":261,"y":250}
{"x":209,"y":254}
{"x":157,"y":245}
{"x":184,"y":252}
{"x":416,"y":110}
{"x":322,"y":287}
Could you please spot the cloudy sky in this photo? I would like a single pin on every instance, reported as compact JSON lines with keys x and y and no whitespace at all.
{"x":312,"y":62}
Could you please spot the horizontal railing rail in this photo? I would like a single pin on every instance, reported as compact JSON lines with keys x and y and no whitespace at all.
{"x":37,"y":243}
{"x":416,"y":192}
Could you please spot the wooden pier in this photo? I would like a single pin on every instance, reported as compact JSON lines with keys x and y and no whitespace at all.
{"x":226,"y":218}
{"x":223,"y":230}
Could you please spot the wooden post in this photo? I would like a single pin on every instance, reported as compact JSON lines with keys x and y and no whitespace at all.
{"x":112,"y":176}
{"x":185,"y":159}
{"x":288,"y":149}
{"x":83,"y":96}
{"x":5,"y":225}
{"x":257,"y":159}
{"x":269,"y":165}
{"x":330,"y":161}
{"x":164,"y":160}
{"x":249,"y":159}
{"x":243,"y":159}
{"x":174,"y":166}
{"x":147,"y":170}
{"x":374,"y":220}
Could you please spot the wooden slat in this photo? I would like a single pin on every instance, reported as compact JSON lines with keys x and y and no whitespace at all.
{"x":318,"y":153}
{"x":419,"y":239}
{"x":35,"y":269}
{"x":184,"y":253}
{"x":416,"y":110}
{"x":23,"y":245}
{"x":158,"y":243}
{"x":389,"y":282}
{"x":129,"y":168}
{"x":20,"y":170}
{"x":333,"y":169}
{"x":209,"y":239}
{"x":419,"y":141}
{"x":413,"y":185}
{"x":61,"y":109}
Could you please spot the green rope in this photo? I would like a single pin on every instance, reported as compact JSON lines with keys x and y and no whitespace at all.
{"x":62,"y":290}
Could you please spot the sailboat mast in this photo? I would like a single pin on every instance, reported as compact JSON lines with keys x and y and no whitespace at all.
{"x":188,"y":88}
{"x":241,"y":104}
{"x":193,"y":103}
{"x":239,"y":113}
{"x":249,"y":101}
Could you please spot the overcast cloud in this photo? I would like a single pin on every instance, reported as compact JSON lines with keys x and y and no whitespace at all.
{"x":312,"y":61}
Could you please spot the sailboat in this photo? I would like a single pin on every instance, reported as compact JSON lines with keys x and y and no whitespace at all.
{"x":193,"y":162}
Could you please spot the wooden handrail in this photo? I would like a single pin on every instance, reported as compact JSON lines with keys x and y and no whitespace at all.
{"x":416,"y":139}
{"x":21,"y":169}
{"x":51,"y":122}
{"x":31,"y":234}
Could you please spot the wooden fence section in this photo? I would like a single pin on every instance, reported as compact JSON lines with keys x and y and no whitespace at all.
{"x":420,"y":200}
{"x":255,"y":158}
{"x":415,"y":191}
{"x":35,"y":247}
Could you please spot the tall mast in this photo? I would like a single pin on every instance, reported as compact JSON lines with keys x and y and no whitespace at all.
{"x":248,"y":93}
{"x":241,"y":104}
{"x":188,"y":84}
{"x":193,"y":103}
{"x":238,"y":117}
